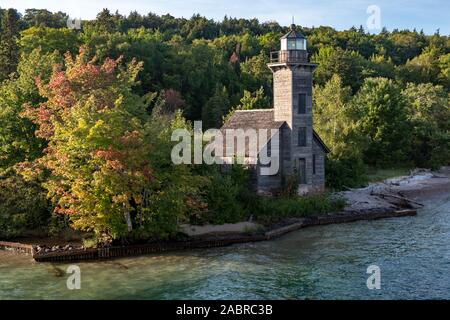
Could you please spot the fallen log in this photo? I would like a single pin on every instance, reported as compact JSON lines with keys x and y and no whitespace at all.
{"x":383,"y":195}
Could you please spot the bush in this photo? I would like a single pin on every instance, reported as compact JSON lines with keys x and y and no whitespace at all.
{"x":23,"y":204}
{"x":223,"y":200}
{"x":269,"y":210}
{"x":345,"y":172}
{"x":227,"y":195}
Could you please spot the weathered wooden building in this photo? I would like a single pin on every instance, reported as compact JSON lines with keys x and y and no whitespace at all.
{"x":300,"y":151}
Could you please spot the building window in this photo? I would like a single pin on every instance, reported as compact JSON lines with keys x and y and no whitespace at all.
{"x":302,"y":137}
{"x":314,"y":164}
{"x":302,"y":170}
{"x":302,"y":103}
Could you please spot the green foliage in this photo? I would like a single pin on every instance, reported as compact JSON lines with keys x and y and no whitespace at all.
{"x":17,"y":140}
{"x":226,"y":195}
{"x":255,"y":100}
{"x":23,"y":204}
{"x":109,"y":160}
{"x":270,"y":210}
{"x":421,"y":69}
{"x":255,"y":74}
{"x":215,"y":108}
{"x":379,"y":100}
{"x":347,"y":64}
{"x":377,"y":175}
{"x":222,"y":200}
{"x":174,"y":192}
{"x":383,"y":119}
{"x":9,"y":33}
{"x":346,"y":171}
{"x":48,"y":40}
{"x":335,"y":119}
{"x":45,"y":18}
{"x":429,"y":115}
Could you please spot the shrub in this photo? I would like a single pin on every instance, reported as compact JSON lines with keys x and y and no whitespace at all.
{"x":345,"y":172}
{"x":227,"y":195}
{"x":269,"y":210}
{"x":23,"y":204}
{"x":222,"y":197}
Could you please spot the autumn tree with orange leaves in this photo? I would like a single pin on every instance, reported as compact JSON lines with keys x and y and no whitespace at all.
{"x":101,"y":152}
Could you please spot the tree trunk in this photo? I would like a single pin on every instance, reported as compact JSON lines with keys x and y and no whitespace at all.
{"x":128,"y":219}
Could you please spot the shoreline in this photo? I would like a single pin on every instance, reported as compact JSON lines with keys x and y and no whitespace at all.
{"x":211,"y":241}
{"x":397,"y":197}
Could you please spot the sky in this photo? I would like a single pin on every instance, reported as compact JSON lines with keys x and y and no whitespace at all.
{"x":428,"y":15}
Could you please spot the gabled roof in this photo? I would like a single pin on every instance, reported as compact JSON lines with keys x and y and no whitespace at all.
{"x":255,"y":119}
{"x":261,"y":119}
{"x":320,"y":142}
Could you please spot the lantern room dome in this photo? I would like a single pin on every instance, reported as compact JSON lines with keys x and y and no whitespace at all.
{"x":293,"y":33}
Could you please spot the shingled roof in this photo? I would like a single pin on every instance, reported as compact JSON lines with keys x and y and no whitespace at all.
{"x":252,"y":119}
{"x":261,"y":119}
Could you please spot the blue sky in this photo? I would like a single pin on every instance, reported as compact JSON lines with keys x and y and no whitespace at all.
{"x":428,"y":15}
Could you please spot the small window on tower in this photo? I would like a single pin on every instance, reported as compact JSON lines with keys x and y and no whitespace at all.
{"x":314,"y":164}
{"x":302,"y":103}
{"x":302,"y":137}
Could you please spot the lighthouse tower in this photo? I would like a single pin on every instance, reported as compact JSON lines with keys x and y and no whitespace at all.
{"x":292,"y":95}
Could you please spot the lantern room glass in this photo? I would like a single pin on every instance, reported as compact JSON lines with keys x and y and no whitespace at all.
{"x":293,"y":44}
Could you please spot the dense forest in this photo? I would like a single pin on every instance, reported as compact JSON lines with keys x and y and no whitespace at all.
{"x":86,"y":115}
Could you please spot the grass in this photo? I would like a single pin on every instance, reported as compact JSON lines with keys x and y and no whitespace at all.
{"x":377,"y":175}
{"x":270,"y":210}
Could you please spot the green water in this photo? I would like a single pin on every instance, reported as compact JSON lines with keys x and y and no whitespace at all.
{"x":324,"y":262}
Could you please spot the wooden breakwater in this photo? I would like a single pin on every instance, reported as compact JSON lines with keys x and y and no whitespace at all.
{"x":17,"y":247}
{"x":210,"y":242}
{"x":135,"y":250}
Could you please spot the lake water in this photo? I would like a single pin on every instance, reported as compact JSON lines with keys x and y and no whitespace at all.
{"x":323,"y":262}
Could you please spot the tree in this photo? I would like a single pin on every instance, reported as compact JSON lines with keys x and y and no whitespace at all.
{"x":45,"y":18}
{"x":105,"y":21}
{"x":109,"y":161}
{"x":255,"y":74}
{"x":421,"y":69}
{"x":48,"y":40}
{"x":347,"y":64}
{"x":216,"y":107}
{"x":429,"y":114}
{"x":23,"y":204}
{"x":17,"y":140}
{"x":334,"y":118}
{"x":335,"y":121}
{"x":444,"y":75}
{"x":382,"y":118}
{"x":9,"y":51}
{"x":97,"y":153}
{"x":255,"y":100}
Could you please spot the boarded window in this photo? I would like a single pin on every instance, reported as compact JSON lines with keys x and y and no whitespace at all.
{"x":302,"y":103}
{"x":302,"y":171}
{"x":302,"y":137}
